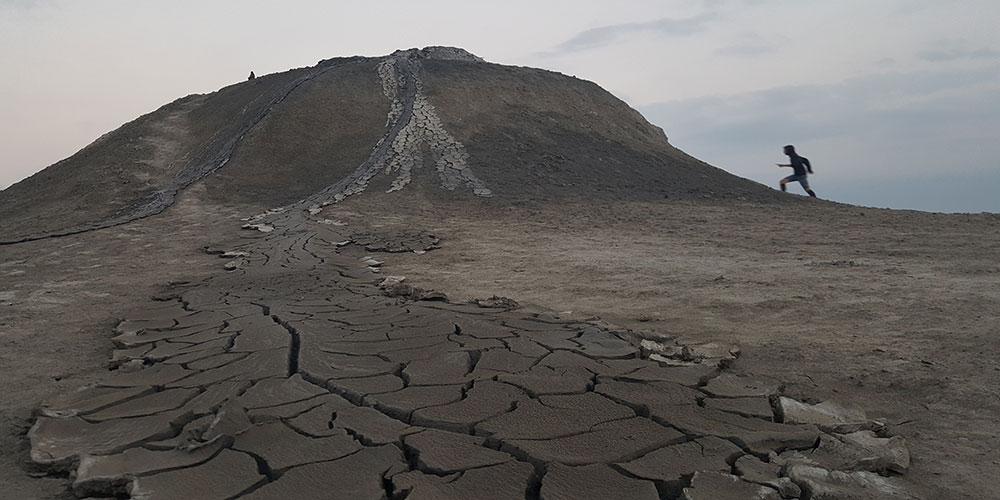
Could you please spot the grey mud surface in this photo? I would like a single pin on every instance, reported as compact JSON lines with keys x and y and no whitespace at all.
{"x":294,"y":375}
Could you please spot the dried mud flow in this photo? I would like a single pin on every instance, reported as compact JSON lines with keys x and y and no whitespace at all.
{"x":301,"y":369}
{"x":214,"y":155}
{"x":295,"y":375}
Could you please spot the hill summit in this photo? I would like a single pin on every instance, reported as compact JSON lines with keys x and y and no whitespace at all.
{"x":439,"y":119}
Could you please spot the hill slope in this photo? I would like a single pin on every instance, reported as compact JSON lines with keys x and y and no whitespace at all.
{"x":436,"y":117}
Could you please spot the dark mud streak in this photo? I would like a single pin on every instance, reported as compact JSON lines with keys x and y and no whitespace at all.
{"x":212,"y":157}
{"x":382,"y":151}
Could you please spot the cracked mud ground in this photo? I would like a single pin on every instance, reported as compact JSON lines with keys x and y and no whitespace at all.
{"x":295,"y":377}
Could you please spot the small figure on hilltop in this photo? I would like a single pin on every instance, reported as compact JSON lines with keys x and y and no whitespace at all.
{"x":252,"y":76}
{"x":799,"y":166}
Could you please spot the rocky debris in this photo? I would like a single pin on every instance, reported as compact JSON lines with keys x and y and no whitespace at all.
{"x":438,"y":52}
{"x":393,"y":286}
{"x":295,"y":377}
{"x":329,"y":222}
{"x":719,"y":486}
{"x":394,"y":241}
{"x":593,"y":482}
{"x":370,"y":262}
{"x":234,"y":264}
{"x":668,"y":350}
{"x":862,"y":451}
{"x":830,"y":416}
{"x":264,"y":228}
{"x":497,"y":302}
{"x":751,"y":468}
{"x":821,"y":484}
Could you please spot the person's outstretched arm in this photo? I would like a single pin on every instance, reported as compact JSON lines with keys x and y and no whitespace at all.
{"x":783,"y":164}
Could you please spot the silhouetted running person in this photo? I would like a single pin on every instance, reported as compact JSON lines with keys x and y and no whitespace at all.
{"x":799,"y":167}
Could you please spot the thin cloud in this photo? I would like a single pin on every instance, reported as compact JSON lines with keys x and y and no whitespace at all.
{"x":931,"y":129}
{"x":605,"y":35}
{"x":22,"y":4}
{"x":745,"y":51}
{"x":959,"y":54}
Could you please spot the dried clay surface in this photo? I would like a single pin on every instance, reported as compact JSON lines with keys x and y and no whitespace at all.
{"x":290,"y":368}
{"x":293,"y":376}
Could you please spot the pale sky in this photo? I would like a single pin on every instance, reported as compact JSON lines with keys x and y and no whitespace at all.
{"x":895,"y":102}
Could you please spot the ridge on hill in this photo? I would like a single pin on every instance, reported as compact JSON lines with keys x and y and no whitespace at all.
{"x":437,"y":117}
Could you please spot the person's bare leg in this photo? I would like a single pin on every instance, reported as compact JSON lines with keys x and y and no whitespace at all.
{"x":783,"y":182}
{"x":811,"y":193}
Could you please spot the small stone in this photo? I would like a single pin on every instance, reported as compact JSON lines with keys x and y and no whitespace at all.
{"x":820,"y":484}
{"x":829,"y":416}
{"x":752,"y":469}
{"x":862,"y":450}
{"x":719,"y":486}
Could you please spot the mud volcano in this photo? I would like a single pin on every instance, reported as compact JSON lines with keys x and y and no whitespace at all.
{"x":299,"y":370}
